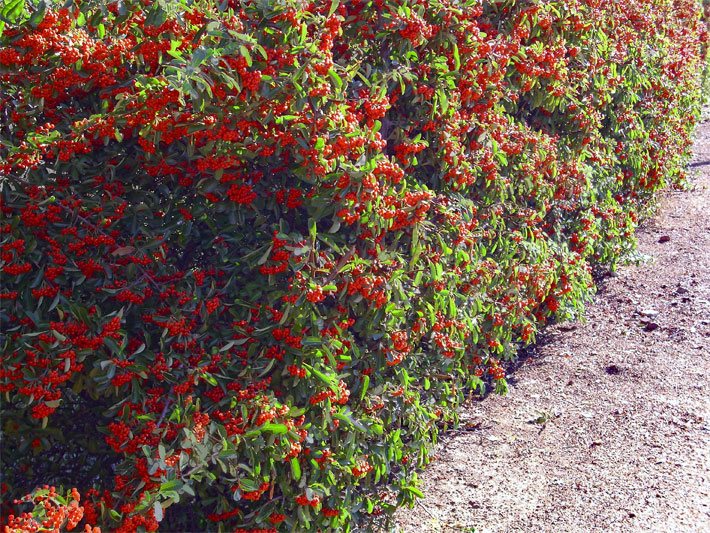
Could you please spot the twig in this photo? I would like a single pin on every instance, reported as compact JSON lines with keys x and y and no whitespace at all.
{"x":168,"y":403}
{"x":420,"y":504}
{"x":341,"y":263}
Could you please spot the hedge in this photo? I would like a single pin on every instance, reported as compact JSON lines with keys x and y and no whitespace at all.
{"x":254,"y":254}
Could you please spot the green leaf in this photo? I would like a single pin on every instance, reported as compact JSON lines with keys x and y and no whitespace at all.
{"x":12,"y":10}
{"x":38,"y":15}
{"x":277,"y":429}
{"x":295,"y":468}
{"x":312,"y":229}
{"x":365,"y":386}
{"x":414,"y":491}
{"x":337,"y":80}
{"x":248,"y":485}
{"x":170,"y":485}
{"x":416,"y":249}
{"x":245,"y":53}
{"x":330,"y":381}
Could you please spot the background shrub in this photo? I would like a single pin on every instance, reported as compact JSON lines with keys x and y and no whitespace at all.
{"x":254,"y":253}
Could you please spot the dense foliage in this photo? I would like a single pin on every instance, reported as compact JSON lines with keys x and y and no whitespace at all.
{"x":255,"y":253}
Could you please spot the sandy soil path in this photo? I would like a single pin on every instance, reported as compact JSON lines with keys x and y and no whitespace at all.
{"x":607,"y":426}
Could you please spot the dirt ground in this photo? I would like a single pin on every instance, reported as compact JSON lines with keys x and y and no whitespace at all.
{"x":607,"y":425}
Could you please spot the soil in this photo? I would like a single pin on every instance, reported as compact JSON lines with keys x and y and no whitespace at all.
{"x":606,"y":426}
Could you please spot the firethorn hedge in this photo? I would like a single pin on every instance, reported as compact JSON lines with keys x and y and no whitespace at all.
{"x":254,"y":254}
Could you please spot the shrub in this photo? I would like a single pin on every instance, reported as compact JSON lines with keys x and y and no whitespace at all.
{"x":255,"y":253}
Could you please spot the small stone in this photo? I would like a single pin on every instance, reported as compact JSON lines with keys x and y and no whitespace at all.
{"x":647,"y":312}
{"x":651,"y":326}
{"x":613,"y":370}
{"x":664,"y":238}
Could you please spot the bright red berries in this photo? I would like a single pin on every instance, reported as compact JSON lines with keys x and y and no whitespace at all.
{"x":241,"y":194}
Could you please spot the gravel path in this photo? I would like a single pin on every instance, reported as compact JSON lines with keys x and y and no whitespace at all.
{"x":607,"y":426}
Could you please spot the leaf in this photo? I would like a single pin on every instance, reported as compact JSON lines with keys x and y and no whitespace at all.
{"x":158,"y":511}
{"x":123,"y":250}
{"x":312,"y":229}
{"x":170,"y":485}
{"x":140,"y":349}
{"x":12,"y":10}
{"x":245,"y":53}
{"x":276,"y":429}
{"x":416,"y":249}
{"x":337,"y":80}
{"x":325,"y":379}
{"x":312,"y":341}
{"x":347,"y":416}
{"x":457,"y":59}
{"x":365,"y":386}
{"x":38,"y":15}
{"x":248,"y":485}
{"x":335,"y":227}
{"x":333,"y":6}
{"x":295,"y":468}
{"x":414,"y":491}
{"x":264,"y":258}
